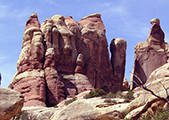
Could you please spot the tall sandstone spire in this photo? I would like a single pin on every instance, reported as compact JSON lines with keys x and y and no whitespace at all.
{"x":118,"y":60}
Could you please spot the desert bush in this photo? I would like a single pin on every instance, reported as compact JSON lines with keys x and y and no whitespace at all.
{"x":118,"y":94}
{"x":22,"y":115}
{"x":125,"y":113}
{"x":55,"y":106}
{"x":108,"y":100}
{"x":100,"y":92}
{"x":161,"y":114}
{"x":95,"y":93}
{"x":109,"y":95}
{"x":129,"y":96}
{"x":70,"y":100}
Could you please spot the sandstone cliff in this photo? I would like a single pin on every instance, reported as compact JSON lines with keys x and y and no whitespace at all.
{"x":62,"y":57}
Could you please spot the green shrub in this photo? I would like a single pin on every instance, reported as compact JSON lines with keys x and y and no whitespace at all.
{"x":55,"y":106}
{"x":70,"y":100}
{"x":147,"y":117}
{"x":118,"y":94}
{"x":99,"y":92}
{"x":161,"y":114}
{"x":22,"y":115}
{"x":109,"y":95}
{"x":108,"y":100}
{"x":125,"y":113}
{"x":95,"y":93}
{"x":129,"y":96}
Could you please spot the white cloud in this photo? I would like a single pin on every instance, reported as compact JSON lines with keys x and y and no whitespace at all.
{"x":51,"y":2}
{"x":110,"y":9}
{"x":10,"y":11}
{"x":3,"y":10}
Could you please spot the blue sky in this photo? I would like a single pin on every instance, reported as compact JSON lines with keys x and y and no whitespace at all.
{"x":127,"y":19}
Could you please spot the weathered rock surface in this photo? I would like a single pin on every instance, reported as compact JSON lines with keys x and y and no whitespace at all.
{"x":90,"y":109}
{"x":97,"y":108}
{"x":94,"y":108}
{"x":149,"y":55}
{"x":98,"y":66}
{"x":118,"y":61}
{"x":30,"y":78}
{"x":145,"y":100}
{"x":62,"y":58}
{"x":11,"y":103}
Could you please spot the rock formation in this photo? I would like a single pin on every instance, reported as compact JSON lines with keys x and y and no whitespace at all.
{"x":11,"y":103}
{"x":118,"y":60}
{"x":149,"y":55}
{"x":98,"y":66}
{"x":30,"y":78}
{"x":62,"y":58}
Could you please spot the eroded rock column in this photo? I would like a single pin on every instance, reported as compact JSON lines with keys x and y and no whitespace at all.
{"x":118,"y":61}
{"x":55,"y":87}
{"x":95,"y":50}
{"x":149,"y":55}
{"x":30,"y":79}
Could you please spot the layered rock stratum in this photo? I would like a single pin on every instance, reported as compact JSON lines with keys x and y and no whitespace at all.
{"x":62,"y":57}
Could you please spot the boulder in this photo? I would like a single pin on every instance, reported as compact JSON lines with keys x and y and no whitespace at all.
{"x":11,"y":103}
{"x":156,"y":35}
{"x":118,"y":61}
{"x":149,"y":55}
